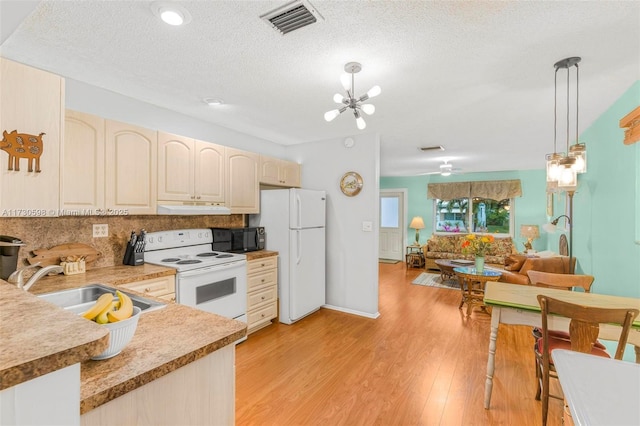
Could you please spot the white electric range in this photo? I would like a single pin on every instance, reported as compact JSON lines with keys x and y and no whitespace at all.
{"x":208,"y":280}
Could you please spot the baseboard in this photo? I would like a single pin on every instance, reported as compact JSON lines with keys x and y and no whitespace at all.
{"x":352,"y":311}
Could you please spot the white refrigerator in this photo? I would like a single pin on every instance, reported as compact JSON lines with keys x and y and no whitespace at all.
{"x":294,"y":222}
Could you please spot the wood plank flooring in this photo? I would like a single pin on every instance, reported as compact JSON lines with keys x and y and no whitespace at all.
{"x":422,"y":362}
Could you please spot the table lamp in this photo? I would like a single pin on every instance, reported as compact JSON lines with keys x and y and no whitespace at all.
{"x":417,"y":223}
{"x":530,"y":232}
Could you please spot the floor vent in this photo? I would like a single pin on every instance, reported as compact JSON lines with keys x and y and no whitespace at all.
{"x":432,"y":148}
{"x":292,"y":16}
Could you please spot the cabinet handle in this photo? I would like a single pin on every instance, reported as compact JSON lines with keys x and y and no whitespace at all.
{"x":173,"y":299}
{"x":262,"y":297}
{"x":262,"y":264}
{"x":262,"y":315}
{"x":198,"y":197}
{"x":193,"y":197}
{"x":262,"y":280}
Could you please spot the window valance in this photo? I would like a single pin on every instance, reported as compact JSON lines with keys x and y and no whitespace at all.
{"x":492,"y":189}
{"x":449,"y":191}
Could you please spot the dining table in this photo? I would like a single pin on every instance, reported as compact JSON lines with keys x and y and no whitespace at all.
{"x":598,"y":391}
{"x":518,"y":305}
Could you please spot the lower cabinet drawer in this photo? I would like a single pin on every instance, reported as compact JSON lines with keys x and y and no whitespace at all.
{"x":262,"y":315}
{"x":261,"y":297}
{"x":158,"y":287}
{"x":262,"y":279}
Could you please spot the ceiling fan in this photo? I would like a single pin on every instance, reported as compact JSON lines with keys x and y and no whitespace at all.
{"x":446,"y":169}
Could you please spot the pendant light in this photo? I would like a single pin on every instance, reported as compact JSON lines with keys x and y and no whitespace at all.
{"x":563,"y":168}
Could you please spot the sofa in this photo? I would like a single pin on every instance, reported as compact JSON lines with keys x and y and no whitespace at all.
{"x":450,"y":247}
{"x":516,"y":267}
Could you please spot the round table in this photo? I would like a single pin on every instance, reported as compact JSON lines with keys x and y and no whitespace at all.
{"x":472,"y":285}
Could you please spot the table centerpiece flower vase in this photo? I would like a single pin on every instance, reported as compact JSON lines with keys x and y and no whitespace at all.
{"x":477,"y":245}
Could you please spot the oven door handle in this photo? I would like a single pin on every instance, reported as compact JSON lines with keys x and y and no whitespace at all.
{"x":215,"y":268}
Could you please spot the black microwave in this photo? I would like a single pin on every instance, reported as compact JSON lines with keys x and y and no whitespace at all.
{"x":239,"y":240}
{"x":247,"y":239}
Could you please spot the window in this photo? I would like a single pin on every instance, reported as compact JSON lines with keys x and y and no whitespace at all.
{"x":485,"y":215}
{"x":389,"y":212}
{"x":479,"y":206}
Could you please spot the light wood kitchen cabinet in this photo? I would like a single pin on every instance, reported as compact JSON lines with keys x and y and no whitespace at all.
{"x":199,"y":393}
{"x":131,"y":167}
{"x":163,"y":287}
{"x":262,"y":292}
{"x":243,"y":189}
{"x":190,"y":170}
{"x":274,"y":171}
{"x":83,"y":164}
{"x":32,"y":104}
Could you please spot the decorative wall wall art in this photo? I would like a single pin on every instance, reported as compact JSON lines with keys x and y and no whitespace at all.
{"x":22,"y":145}
{"x":351,"y":184}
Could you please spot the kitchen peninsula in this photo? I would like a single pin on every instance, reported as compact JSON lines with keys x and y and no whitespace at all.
{"x":160,"y":377}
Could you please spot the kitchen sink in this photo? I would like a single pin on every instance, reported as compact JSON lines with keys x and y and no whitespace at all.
{"x":79,"y":300}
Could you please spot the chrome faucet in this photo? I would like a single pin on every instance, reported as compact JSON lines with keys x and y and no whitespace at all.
{"x":17,"y":278}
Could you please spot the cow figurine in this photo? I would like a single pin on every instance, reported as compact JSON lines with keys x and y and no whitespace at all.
{"x":22,"y":145}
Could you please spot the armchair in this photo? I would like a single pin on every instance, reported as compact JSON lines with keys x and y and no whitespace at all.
{"x":517,"y":266}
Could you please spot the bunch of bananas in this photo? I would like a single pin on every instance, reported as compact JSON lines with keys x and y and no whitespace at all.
{"x":107,"y":309}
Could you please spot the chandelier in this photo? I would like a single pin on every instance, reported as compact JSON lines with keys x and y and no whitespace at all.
{"x":562,"y":168}
{"x":349,"y":101}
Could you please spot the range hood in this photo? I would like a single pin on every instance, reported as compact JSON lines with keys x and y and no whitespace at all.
{"x":190,"y":209}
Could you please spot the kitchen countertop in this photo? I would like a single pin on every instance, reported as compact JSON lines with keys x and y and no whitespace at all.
{"x":111,"y":275}
{"x":253,"y":255}
{"x":165,"y":340}
{"x":35,"y":338}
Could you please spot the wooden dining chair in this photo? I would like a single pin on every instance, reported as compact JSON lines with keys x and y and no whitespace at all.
{"x":583,"y":335}
{"x":565,"y":281}
{"x":560,"y":281}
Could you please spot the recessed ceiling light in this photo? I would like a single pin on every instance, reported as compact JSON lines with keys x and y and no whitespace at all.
{"x":171,"y":13}
{"x":213,"y":101}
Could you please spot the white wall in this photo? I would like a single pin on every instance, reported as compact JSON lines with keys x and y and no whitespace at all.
{"x":352,"y":254}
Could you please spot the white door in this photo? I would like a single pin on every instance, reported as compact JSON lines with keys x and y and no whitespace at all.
{"x":307,"y":208}
{"x":391,"y":224}
{"x":307,"y":272}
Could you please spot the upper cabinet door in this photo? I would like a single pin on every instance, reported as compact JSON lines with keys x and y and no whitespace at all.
{"x":32,"y":104}
{"x":243,"y":191}
{"x":277,"y":172}
{"x":131,"y":169}
{"x":176,"y":168}
{"x":290,"y":173}
{"x":83,"y":153}
{"x":210,"y":179}
{"x":269,"y":170}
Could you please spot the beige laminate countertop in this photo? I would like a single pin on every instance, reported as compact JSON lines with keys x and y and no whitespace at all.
{"x":35,"y":337}
{"x":165,"y":340}
{"x":253,"y":255}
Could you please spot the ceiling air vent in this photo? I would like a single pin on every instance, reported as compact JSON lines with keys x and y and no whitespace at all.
{"x":292,"y":16}
{"x":432,"y":148}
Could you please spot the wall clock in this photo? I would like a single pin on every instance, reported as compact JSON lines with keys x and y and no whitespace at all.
{"x":351,"y":184}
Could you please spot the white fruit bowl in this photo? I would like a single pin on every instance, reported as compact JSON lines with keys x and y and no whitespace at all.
{"x":120,"y":334}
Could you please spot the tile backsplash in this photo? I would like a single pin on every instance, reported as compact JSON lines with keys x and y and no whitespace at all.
{"x":44,"y":233}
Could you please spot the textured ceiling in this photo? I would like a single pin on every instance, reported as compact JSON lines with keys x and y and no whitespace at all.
{"x":475,"y":77}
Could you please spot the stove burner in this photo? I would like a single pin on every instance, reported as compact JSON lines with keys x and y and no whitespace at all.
{"x":170,"y":260}
{"x":189,"y":261}
{"x":224,"y":255}
{"x":208,"y":254}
